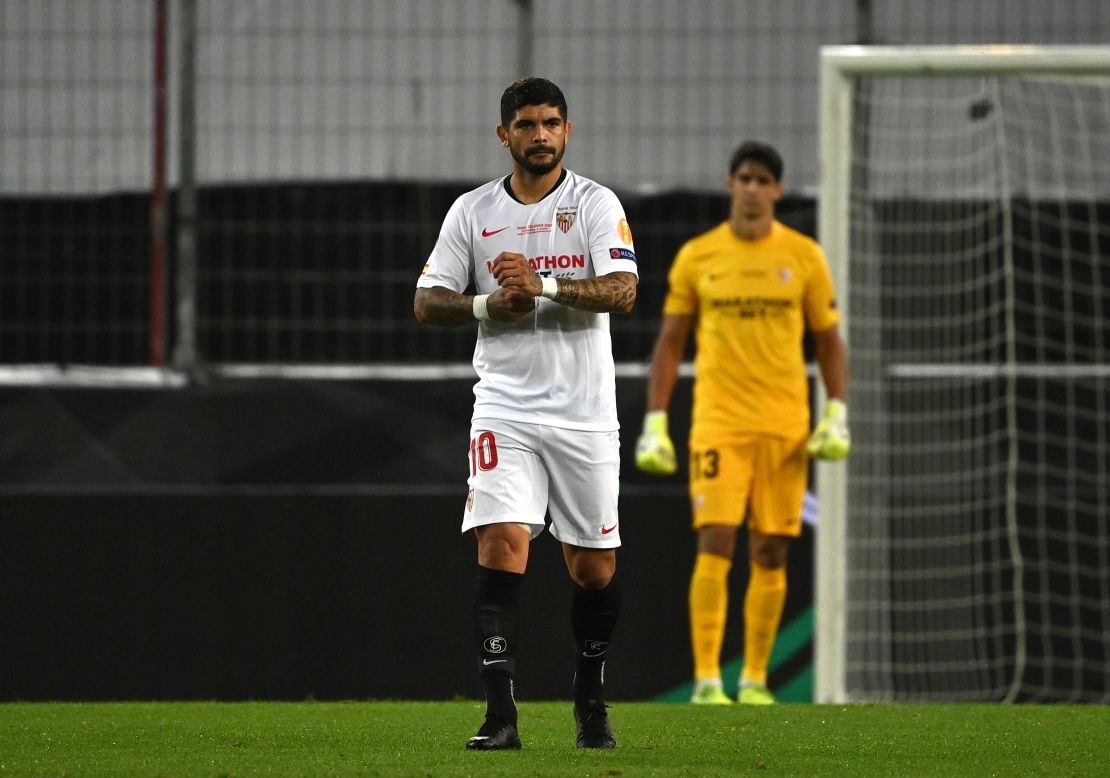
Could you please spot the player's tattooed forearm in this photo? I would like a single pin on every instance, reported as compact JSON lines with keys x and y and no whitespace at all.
{"x":448,"y":310}
{"x":451,"y":312}
{"x":614,"y":292}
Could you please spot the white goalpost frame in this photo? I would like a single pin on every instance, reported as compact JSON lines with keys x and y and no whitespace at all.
{"x":839,"y":66}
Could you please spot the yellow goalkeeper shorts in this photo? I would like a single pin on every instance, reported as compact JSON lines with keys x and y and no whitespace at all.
{"x":761,"y":477}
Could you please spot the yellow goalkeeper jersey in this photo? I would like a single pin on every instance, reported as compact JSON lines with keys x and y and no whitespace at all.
{"x":753,"y":301}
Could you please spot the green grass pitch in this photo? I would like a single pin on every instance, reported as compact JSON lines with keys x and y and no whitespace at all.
{"x":655,"y":739}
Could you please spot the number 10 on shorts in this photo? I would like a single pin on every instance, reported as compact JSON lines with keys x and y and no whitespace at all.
{"x":483,"y":453}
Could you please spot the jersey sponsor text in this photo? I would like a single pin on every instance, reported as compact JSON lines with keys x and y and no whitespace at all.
{"x":550,"y":262}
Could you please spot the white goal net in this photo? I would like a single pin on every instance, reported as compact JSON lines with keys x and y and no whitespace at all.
{"x":964,"y":551}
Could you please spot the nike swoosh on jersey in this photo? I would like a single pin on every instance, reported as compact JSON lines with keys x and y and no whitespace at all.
{"x":487,"y":233}
{"x":607,"y":530}
{"x":493,"y":661}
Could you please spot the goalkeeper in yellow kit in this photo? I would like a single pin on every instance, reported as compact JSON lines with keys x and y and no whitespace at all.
{"x":752,"y":285}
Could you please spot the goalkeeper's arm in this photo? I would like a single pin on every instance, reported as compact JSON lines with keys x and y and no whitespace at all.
{"x":655,"y":452}
{"x":831,"y":438}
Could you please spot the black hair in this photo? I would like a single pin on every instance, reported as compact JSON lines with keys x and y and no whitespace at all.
{"x":757,"y":152}
{"x":531,"y":91}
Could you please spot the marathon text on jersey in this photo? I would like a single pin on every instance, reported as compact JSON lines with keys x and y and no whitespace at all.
{"x":550,"y":262}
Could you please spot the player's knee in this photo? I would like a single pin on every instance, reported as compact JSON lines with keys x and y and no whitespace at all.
{"x":593,"y":570}
{"x":717,"y":539}
{"x":503,"y":547}
{"x":769,"y":551}
{"x":594,"y":579}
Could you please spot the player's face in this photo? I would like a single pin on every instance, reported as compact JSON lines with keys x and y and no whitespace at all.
{"x":536,"y":137}
{"x":754,"y":190}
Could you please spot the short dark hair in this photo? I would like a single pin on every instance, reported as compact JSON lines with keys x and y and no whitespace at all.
{"x":531,"y":91}
{"x":757,"y":152}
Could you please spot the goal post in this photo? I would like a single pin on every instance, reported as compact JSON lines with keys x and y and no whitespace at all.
{"x":964,"y":548}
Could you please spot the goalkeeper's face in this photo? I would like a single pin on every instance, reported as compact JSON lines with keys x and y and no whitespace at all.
{"x":754,"y":190}
{"x":536,"y":137}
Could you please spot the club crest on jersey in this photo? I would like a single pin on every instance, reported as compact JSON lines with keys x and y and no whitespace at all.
{"x":565,"y":216}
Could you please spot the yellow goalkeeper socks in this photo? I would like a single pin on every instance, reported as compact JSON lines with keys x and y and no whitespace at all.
{"x":708,"y":611}
{"x":762,"y":612}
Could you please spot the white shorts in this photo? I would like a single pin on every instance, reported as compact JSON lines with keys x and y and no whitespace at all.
{"x":521,"y":472}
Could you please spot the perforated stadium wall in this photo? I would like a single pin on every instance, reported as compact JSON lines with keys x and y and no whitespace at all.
{"x":326,"y":140}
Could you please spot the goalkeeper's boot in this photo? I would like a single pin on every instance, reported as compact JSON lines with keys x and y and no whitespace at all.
{"x":593,"y":726}
{"x":494,"y":735}
{"x":710,"y":694}
{"x":755,"y":694}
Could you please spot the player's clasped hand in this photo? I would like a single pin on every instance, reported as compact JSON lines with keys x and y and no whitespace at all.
{"x":510,"y":304}
{"x":831,"y":439}
{"x":654,"y":449}
{"x":514,"y":270}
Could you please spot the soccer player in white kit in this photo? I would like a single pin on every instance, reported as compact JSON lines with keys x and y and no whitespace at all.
{"x":549,"y":254}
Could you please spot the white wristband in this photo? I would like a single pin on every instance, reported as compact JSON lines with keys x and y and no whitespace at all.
{"x":550,"y":287}
{"x":481,"y":312}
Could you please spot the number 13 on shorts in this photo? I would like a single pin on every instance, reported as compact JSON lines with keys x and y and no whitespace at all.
{"x":704,"y":463}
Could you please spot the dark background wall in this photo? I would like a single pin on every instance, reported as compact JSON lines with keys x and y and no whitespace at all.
{"x":280,"y":539}
{"x":283,"y":540}
{"x":288,"y":272}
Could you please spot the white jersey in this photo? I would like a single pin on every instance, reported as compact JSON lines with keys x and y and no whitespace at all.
{"x":555,"y":365}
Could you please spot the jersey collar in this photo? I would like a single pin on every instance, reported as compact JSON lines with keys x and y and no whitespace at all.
{"x":509,"y":188}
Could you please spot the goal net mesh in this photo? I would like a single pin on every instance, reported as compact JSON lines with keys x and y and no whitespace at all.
{"x":978,"y":537}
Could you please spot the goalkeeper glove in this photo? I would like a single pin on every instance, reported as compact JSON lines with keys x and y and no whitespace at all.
{"x":831,"y":439}
{"x":654,"y":449}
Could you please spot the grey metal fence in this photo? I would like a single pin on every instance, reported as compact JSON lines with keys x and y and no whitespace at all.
{"x":191,"y":183}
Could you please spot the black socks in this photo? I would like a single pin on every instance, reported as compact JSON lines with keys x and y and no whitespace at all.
{"x":496,"y":618}
{"x":593,"y":614}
